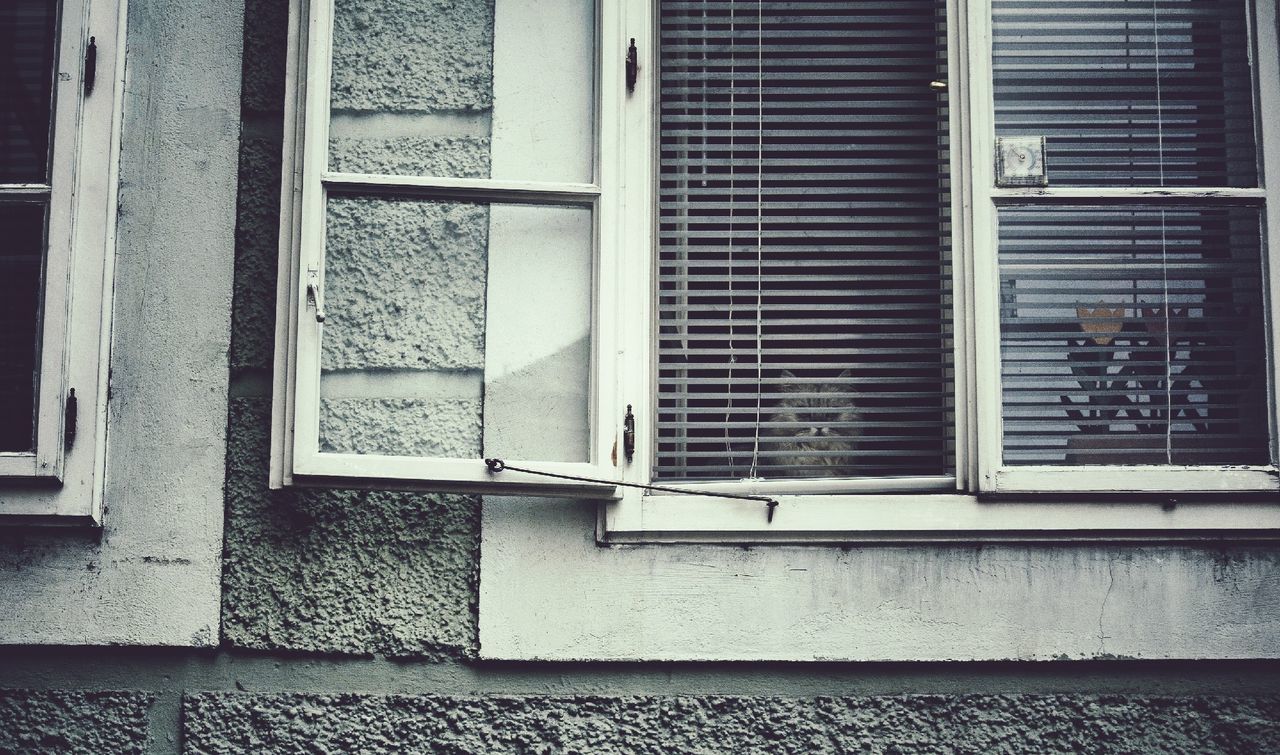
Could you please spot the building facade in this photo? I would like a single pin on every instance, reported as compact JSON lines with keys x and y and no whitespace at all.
{"x":192,"y":607}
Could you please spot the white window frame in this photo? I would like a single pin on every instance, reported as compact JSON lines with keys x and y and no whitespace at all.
{"x":980,"y":501}
{"x":61,"y":482}
{"x":998,"y":478}
{"x":297,"y":458}
{"x":984,"y":500}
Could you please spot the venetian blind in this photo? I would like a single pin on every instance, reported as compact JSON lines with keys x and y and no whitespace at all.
{"x":27,"y":52}
{"x":803,"y":268}
{"x":1133,"y":336}
{"x":1129,"y":92}
{"x":1132,"y":332}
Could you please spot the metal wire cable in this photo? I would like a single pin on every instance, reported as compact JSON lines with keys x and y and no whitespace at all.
{"x":498,"y":465}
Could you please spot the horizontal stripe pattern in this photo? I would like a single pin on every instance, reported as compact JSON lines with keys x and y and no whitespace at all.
{"x":803,"y":275}
{"x":1129,"y":92}
{"x":1133,"y":336}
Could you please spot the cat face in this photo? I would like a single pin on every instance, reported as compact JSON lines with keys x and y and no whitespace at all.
{"x":812,"y":430}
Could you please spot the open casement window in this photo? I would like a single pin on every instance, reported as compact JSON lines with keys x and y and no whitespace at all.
{"x":59,"y":115}
{"x":446,"y":212}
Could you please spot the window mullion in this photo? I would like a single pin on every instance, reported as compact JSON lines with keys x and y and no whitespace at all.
{"x":985,"y":276}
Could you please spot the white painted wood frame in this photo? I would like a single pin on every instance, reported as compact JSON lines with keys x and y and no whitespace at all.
{"x":58,"y":485}
{"x":46,"y":460}
{"x":1188,"y":503}
{"x":997,"y":478}
{"x":297,"y":458}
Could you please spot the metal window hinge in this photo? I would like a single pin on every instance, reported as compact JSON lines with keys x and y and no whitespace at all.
{"x":629,"y":435}
{"x":633,"y":66}
{"x":70,"y":413}
{"x":90,"y":66}
{"x":314,"y":298}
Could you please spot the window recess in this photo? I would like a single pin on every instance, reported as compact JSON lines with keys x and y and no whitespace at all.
{"x":803,"y":266}
{"x":444,"y":226}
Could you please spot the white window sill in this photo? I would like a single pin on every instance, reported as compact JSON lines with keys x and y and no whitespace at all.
{"x":932,"y":518}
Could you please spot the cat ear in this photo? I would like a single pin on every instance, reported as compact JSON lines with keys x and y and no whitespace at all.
{"x":846,"y":374}
{"x":788,"y":375}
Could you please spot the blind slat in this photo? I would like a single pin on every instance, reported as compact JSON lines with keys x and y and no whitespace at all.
{"x":802,"y":276}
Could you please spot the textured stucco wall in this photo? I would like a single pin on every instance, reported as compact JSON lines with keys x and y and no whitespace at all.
{"x":349,"y":571}
{"x":342,"y":571}
{"x":151,"y":575}
{"x":222,"y":723}
{"x":73,"y":722}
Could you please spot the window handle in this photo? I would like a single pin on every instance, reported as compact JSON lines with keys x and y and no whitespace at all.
{"x":629,"y":435}
{"x":313,"y":293}
{"x":938,"y":86}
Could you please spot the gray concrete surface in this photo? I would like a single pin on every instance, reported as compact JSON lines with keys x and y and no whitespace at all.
{"x":230,"y":723}
{"x":72,"y":722}
{"x":151,"y":576}
{"x":167,"y":675}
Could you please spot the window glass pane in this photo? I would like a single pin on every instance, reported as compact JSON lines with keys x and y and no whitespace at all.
{"x":1133,"y":336}
{"x":468,"y":89}
{"x":27,"y":51}
{"x":21,"y":263}
{"x":1129,"y":92}
{"x":456,"y":330}
{"x":803,"y":272}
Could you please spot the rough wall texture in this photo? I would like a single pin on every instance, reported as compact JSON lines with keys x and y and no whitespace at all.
{"x":68,"y":722}
{"x":342,"y":571}
{"x":227,"y":723}
{"x":454,"y":156}
{"x":151,"y":575}
{"x":257,"y":227}
{"x":411,"y":56}
{"x":327,"y":571}
{"x":265,"y":38}
{"x":404,"y":285}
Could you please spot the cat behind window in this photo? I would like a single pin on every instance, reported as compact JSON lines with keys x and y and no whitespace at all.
{"x":820,"y":438}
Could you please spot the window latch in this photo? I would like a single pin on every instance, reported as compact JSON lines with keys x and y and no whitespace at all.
{"x":313,"y":293}
{"x":633,"y":67}
{"x":629,"y":435}
{"x":70,"y":412}
{"x":90,"y":65}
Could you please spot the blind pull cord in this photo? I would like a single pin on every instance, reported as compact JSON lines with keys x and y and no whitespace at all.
{"x":498,"y":465}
